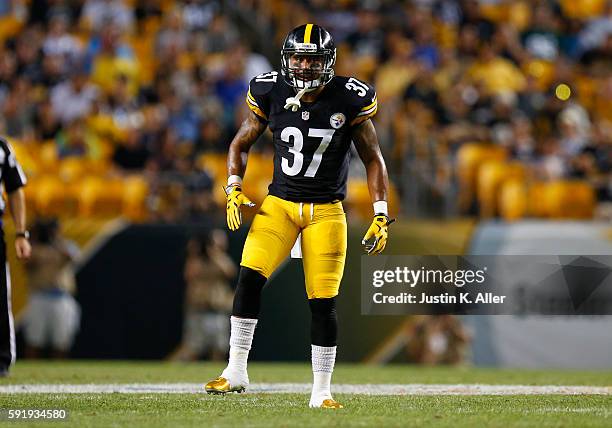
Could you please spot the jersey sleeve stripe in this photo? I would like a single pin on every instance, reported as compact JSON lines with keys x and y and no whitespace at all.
{"x":365,"y":113}
{"x":362,"y":118}
{"x":371,"y":105}
{"x":257,"y":110}
{"x":251,"y":103}
{"x":251,"y":99}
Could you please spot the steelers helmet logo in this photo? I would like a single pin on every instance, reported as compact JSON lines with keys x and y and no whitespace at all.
{"x":337,"y":120}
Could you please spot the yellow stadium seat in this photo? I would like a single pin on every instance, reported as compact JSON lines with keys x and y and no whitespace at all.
{"x":469,"y":158}
{"x":100,"y":197}
{"x":72,"y":169}
{"x":218,"y":193}
{"x":259,"y":168}
{"x":582,"y":9}
{"x":100,"y":167}
{"x":135,"y":192}
{"x":513,"y":199}
{"x":358,"y":202}
{"x":536,"y":206}
{"x":394,"y":200}
{"x":215,"y":164}
{"x":569,"y":199}
{"x":52,"y":196}
{"x":47,"y":157}
{"x":491,"y":176}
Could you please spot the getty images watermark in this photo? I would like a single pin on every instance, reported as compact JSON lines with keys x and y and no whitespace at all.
{"x":552,"y":285}
{"x":412,"y":278}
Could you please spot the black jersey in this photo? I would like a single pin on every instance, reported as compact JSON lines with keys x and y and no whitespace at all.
{"x":311,"y":145}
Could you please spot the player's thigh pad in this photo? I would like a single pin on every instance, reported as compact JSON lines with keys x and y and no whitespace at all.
{"x":324,"y":251}
{"x":271,"y":236}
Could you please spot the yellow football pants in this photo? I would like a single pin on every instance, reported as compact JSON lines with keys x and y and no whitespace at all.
{"x":275,"y":229}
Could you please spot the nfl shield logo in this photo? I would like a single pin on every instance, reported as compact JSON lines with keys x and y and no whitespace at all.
{"x":305,"y":115}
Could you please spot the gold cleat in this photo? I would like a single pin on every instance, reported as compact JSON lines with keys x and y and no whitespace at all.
{"x":221,"y":385}
{"x":330,"y":403}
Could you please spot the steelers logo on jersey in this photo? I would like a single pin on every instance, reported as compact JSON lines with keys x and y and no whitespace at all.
{"x":337,"y":120}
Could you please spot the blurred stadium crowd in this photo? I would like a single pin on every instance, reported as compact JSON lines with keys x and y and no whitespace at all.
{"x":490,"y":107}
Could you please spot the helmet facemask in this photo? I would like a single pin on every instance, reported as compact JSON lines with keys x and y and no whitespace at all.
{"x":319,"y":73}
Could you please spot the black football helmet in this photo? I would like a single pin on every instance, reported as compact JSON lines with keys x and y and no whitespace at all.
{"x":308,"y":39}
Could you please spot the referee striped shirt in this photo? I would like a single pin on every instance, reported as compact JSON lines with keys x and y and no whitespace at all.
{"x":11,"y":174}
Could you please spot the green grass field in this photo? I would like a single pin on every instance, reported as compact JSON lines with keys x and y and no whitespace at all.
{"x":285,"y":410}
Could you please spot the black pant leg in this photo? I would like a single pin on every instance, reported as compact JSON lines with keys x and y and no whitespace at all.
{"x":7,"y":330}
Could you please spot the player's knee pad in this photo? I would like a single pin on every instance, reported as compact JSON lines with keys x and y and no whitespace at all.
{"x":247,"y":298}
{"x":324,"y":327}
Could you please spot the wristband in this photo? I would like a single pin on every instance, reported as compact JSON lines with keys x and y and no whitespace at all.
{"x":380,"y":207}
{"x":23,"y":234}
{"x":234,"y":180}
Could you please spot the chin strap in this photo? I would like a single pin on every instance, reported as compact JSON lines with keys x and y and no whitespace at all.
{"x":293,"y":103}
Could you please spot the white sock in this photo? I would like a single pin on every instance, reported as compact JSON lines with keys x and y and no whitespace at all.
{"x":241,"y":337}
{"x":323,"y":360}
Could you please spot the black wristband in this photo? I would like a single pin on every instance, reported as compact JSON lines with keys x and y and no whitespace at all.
{"x":25,"y":234}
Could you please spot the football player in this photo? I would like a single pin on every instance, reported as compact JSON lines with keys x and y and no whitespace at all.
{"x":313,"y":115}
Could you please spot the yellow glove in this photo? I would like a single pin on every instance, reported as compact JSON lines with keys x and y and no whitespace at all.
{"x":379,"y":231}
{"x":235,"y":199}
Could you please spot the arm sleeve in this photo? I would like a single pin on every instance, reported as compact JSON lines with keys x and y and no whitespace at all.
{"x":12,"y":174}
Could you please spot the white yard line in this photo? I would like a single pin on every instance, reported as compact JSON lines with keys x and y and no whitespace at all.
{"x":304,"y":388}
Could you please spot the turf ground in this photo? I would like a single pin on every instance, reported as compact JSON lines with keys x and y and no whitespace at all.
{"x":163,"y":409}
